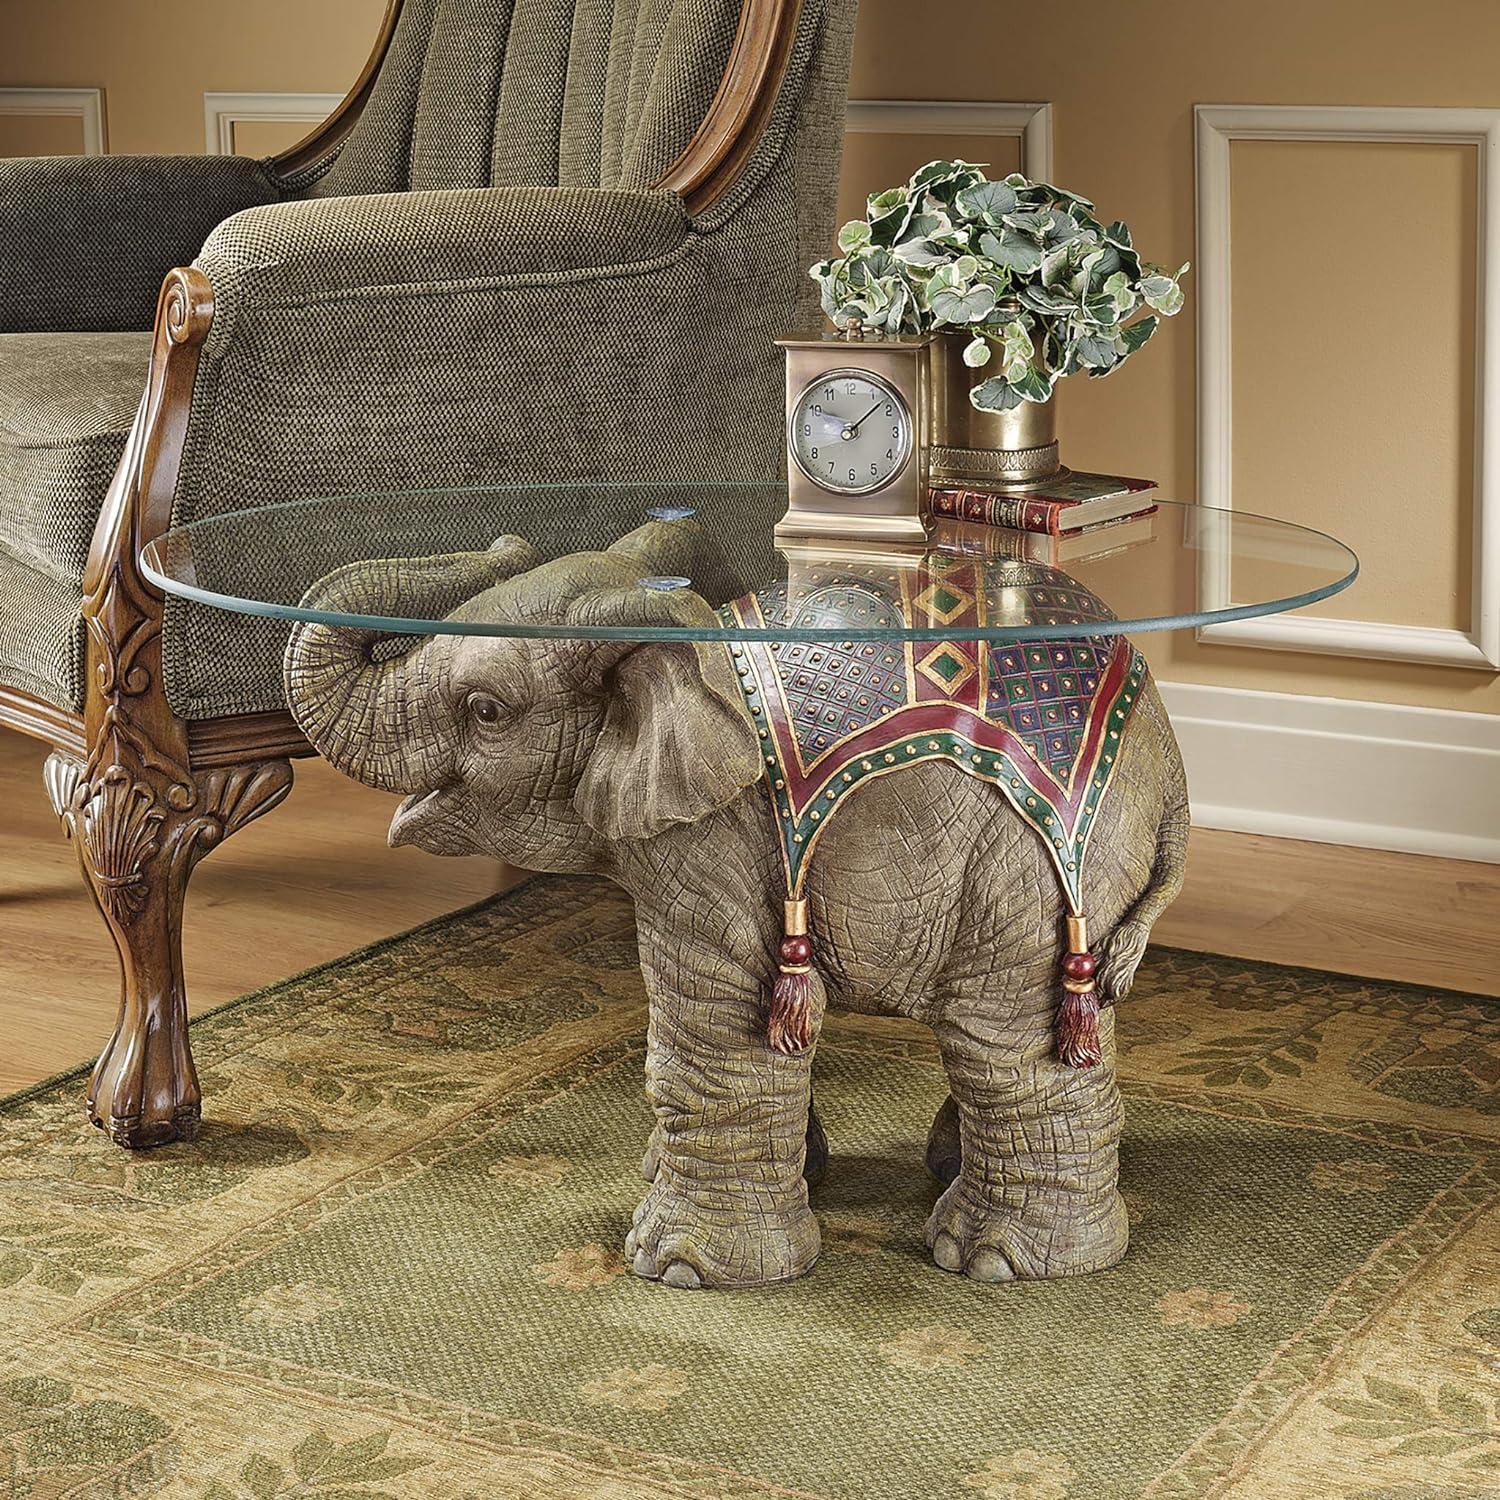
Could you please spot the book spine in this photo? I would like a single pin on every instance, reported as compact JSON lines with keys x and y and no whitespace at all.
{"x":1013,"y":512}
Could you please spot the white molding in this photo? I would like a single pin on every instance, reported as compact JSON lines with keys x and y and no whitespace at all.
{"x":221,"y":112}
{"x":1337,"y":771}
{"x":1031,"y":124}
{"x":86,"y":105}
{"x":1217,"y":126}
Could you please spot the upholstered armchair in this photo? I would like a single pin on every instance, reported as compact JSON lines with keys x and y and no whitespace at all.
{"x":539,"y":239}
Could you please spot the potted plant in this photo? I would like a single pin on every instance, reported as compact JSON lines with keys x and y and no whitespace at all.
{"x":1022,"y":285}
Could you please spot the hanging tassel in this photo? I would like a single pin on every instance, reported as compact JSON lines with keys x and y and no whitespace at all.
{"x":1078,"y":1015}
{"x":791,"y":997}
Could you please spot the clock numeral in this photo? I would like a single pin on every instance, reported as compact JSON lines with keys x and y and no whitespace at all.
{"x":890,"y":454}
{"x":815,"y":453}
{"x":896,"y":433}
{"x":853,"y":475}
{"x":890,"y":410}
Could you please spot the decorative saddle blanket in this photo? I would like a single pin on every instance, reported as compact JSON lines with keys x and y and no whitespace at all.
{"x":1040,"y":719}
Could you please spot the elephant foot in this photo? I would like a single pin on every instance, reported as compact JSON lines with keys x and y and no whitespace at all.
{"x":944,"y":1148}
{"x":1033,"y":1233}
{"x":815,"y":1166}
{"x":686,"y":1243}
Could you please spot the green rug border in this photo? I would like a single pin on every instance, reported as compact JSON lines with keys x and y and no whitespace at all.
{"x":1259,"y":965}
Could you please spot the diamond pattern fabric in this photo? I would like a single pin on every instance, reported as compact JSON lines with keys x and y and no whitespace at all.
{"x":1041,"y":720}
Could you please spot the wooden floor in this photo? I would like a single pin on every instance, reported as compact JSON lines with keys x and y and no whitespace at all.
{"x":315,"y":879}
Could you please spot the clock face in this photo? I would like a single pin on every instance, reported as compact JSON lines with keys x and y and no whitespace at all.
{"x":850,"y":431}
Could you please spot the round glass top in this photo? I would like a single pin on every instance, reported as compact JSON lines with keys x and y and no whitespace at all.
{"x":1181,"y":565}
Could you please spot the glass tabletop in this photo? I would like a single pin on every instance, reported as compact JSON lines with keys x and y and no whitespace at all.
{"x":701,"y":562}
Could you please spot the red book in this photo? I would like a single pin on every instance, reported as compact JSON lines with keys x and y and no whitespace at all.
{"x":1056,"y":506}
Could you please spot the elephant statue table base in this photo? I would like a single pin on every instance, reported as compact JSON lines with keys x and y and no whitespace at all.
{"x":967,"y":803}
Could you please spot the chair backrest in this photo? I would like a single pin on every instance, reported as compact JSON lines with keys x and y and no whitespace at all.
{"x":536,"y":93}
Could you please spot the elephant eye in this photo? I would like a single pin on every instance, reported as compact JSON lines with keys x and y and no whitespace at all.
{"x":484,"y":708}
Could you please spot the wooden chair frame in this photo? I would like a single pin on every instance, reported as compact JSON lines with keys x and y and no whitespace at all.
{"x":144,"y":794}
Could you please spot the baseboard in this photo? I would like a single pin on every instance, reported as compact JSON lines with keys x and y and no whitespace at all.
{"x":1335,"y":771}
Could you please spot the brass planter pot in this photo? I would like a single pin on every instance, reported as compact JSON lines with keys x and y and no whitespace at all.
{"x":994,"y":449}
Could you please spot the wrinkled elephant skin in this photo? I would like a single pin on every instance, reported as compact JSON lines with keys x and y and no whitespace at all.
{"x":929,"y":899}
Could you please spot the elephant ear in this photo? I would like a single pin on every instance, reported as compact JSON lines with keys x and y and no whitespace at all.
{"x":677,"y":742}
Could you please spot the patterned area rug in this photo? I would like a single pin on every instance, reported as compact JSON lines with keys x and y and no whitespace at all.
{"x":391,"y":1266}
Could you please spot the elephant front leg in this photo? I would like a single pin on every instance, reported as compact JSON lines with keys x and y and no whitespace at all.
{"x":1037,"y":1190}
{"x":728,"y":1204}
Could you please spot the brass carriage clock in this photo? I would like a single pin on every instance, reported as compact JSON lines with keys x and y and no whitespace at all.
{"x":856,"y":413}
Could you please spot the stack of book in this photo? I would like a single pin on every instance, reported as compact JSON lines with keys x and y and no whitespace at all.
{"x":1069,"y":517}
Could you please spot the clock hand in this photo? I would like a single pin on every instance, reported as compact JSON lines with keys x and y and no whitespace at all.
{"x":849,"y":432}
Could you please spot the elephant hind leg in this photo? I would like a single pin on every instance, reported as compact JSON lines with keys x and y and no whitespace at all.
{"x":1037,"y":1190}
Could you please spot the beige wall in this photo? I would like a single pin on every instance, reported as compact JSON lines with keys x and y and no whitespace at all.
{"x":1327,"y":427}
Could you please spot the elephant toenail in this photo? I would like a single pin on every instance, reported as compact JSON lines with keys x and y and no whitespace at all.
{"x":643,"y":1265}
{"x":946,"y":1253}
{"x":630,"y":1245}
{"x":681,"y":1274}
{"x":988,"y":1264}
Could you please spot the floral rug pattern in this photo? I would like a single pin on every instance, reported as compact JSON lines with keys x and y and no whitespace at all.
{"x":391,"y":1265}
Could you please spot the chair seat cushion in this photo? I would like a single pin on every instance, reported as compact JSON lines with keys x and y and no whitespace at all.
{"x":41,"y":634}
{"x":66,"y":404}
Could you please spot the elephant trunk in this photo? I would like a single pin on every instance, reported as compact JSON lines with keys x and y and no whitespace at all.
{"x":382,"y":719}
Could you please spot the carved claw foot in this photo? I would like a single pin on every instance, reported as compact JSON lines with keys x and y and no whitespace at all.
{"x":1042,"y":1233}
{"x":687,"y":1244}
{"x":139,"y":829}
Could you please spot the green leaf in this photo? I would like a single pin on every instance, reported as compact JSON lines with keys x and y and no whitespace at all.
{"x":972,"y":306}
{"x":855,"y":235}
{"x":1033,"y":224}
{"x":995,"y":395}
{"x":1097,"y":352}
{"x":13,"y":1266}
{"x":934,"y":171}
{"x":1102,"y":312}
{"x":987,"y":202}
{"x":1039,"y":299}
{"x":977,"y":352}
{"x":1014,"y":251}
{"x":1255,"y":1077}
{"x":889,"y":214}
{"x":1285,"y":1066}
{"x":944,"y":179}
{"x":1118,"y":289}
{"x":1055,"y":265}
{"x":1162,"y":294}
